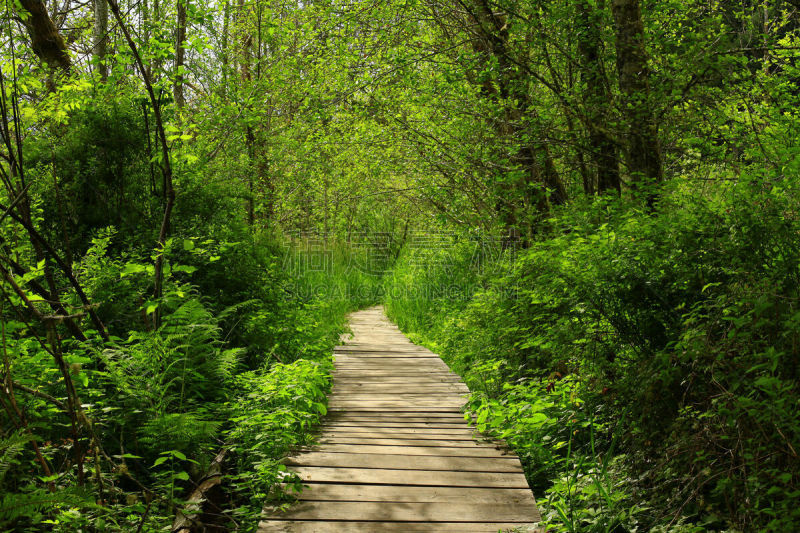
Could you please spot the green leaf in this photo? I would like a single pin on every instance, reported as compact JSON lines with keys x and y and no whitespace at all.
{"x":132,"y":268}
{"x":184,"y":268}
{"x":179,"y":455}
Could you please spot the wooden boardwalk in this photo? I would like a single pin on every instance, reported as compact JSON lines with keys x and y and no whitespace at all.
{"x":395,"y":452}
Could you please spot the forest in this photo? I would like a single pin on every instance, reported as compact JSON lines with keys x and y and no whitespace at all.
{"x":589,"y":208}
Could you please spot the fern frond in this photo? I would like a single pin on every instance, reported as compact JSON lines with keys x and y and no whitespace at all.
{"x":10,"y":448}
{"x":40,"y":501}
{"x":237,"y":307}
{"x":177,"y":431}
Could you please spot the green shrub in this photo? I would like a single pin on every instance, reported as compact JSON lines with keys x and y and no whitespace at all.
{"x":272,"y":414}
{"x":677,"y":334}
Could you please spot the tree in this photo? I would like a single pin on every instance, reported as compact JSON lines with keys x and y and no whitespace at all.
{"x":100,"y":38}
{"x":46,"y":41}
{"x":180,"y":53}
{"x":596,"y":100}
{"x":643,"y":149}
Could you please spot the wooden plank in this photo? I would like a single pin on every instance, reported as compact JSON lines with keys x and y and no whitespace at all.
{"x":397,"y":350}
{"x":402,"y":462}
{"x":458,"y":388}
{"x":447,"y":419}
{"x":303,"y":526}
{"x":409,"y":396}
{"x":410,"y":375}
{"x":412,"y":398}
{"x":401,"y":389}
{"x":393,"y":414}
{"x":390,"y":379}
{"x":384,"y":409}
{"x":385,"y":355}
{"x":383,"y":370}
{"x":383,"y":395}
{"x":395,"y":373}
{"x":403,"y":424}
{"x":444,"y":401}
{"x":341,"y":359}
{"x":376,"y":441}
{"x":382,"y":346}
{"x":396,"y":358}
{"x":378,"y":351}
{"x":452,"y":401}
{"x":391,"y":376}
{"x":365,"y":408}
{"x":395,"y":365}
{"x":379,"y":339}
{"x":394,"y":378}
{"x":391,"y":373}
{"x":411,"y":511}
{"x":404,"y":493}
{"x":386,"y":476}
{"x":441,"y":451}
{"x":394,"y":362}
{"x":383,"y":433}
{"x":388,"y":390}
{"x":398,"y":405}
{"x":387,"y":376}
{"x":355,"y":391}
{"x":421,"y":419}
{"x":380,"y":405}
{"x":382,"y":335}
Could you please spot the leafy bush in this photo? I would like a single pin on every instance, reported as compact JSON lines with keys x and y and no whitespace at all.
{"x":272,"y":414}
{"x":676,"y":335}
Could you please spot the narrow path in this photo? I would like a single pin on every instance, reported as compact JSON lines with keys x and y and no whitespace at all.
{"x":396,"y":453}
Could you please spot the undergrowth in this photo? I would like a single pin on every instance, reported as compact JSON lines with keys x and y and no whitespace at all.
{"x":643,"y":365}
{"x":240,"y":362}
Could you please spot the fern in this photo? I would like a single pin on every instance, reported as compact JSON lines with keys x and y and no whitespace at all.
{"x":177,"y":431}
{"x":11,"y":447}
{"x":34,"y":502}
{"x":228,"y":363}
{"x":32,"y":505}
{"x":238,"y":307}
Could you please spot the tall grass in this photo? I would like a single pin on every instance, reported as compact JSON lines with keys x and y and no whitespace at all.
{"x":341,"y":276}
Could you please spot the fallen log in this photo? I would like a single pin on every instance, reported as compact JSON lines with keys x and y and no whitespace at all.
{"x":187,"y":519}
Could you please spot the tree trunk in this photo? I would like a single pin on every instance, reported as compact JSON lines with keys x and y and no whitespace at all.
{"x":603,"y":150}
{"x":245,"y":73}
{"x":225,"y":53}
{"x":180,"y":54}
{"x":46,"y":41}
{"x":250,"y":142}
{"x":643,"y":149}
{"x":528,"y":153}
{"x":100,"y":38}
